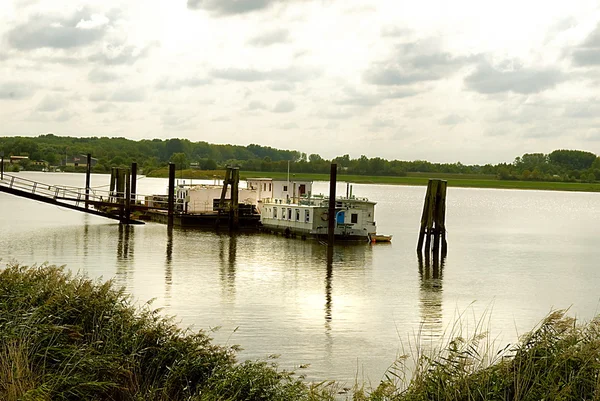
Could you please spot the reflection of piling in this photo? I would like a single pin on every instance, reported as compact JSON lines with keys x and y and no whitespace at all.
{"x":328,"y":286}
{"x":88,"y":172}
{"x":331,"y":214}
{"x":168,"y":266}
{"x":171,"y":203}
{"x":433,"y":220}
{"x":430,"y":294}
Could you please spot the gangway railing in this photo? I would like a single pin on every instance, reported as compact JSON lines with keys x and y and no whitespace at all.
{"x":95,"y":202}
{"x":77,"y":195}
{"x":95,"y":197}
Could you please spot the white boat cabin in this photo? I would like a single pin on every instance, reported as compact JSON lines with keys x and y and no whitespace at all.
{"x":200,"y":198}
{"x":269,"y":188}
{"x":203,"y":198}
{"x":354,"y":217}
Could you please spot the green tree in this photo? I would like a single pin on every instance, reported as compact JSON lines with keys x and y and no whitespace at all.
{"x":572,"y":159}
{"x":180,"y":160}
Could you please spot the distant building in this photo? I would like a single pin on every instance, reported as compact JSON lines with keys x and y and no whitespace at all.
{"x":42,"y":163}
{"x":18,"y":159}
{"x":78,"y":160}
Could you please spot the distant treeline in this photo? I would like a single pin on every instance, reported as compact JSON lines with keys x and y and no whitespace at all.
{"x":559,"y":165}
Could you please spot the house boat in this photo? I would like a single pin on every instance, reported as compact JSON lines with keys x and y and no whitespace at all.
{"x":286,"y":206}
{"x":308,"y":217}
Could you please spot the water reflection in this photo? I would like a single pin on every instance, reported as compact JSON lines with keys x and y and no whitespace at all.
{"x":328,"y":303}
{"x":125,"y":252}
{"x":126,"y":243}
{"x":228,"y":241}
{"x":328,"y":287}
{"x":169,"y":266}
{"x":430,"y":296}
{"x":86,"y":234}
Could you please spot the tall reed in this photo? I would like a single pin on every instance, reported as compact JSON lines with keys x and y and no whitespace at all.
{"x":558,"y":360}
{"x":65,"y":337}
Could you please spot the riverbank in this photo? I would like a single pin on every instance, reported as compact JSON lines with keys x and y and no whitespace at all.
{"x":63,"y":336}
{"x":417,"y":179}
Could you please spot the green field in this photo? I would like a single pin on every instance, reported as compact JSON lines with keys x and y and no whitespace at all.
{"x":454,"y":180}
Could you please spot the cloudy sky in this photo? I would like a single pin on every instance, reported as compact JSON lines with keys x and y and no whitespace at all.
{"x":446,"y":81}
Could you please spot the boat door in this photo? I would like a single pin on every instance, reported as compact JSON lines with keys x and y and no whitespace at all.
{"x":340,"y":217}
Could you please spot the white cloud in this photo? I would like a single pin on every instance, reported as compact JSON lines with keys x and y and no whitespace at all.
{"x":51,"y":103}
{"x":284,"y":106}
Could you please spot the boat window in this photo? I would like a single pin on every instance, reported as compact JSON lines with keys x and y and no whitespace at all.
{"x":289,"y":213}
{"x":354,"y":218}
{"x":285,"y":188}
{"x":274,"y":212}
{"x":269,"y":186}
{"x":297,"y":214}
{"x":307,"y":216}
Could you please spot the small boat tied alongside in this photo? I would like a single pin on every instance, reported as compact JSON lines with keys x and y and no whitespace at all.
{"x":381,"y":238}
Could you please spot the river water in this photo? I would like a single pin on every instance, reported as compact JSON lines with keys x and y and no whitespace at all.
{"x":513,"y":256}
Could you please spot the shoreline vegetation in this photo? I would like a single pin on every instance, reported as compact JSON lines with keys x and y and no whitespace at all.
{"x":66,"y":337}
{"x":414,"y":179}
{"x":561,"y":169}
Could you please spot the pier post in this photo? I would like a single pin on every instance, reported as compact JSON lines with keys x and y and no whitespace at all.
{"x":331,"y":212}
{"x":112,"y":189}
{"x":127,"y":197}
{"x":2,"y":165}
{"x":133,"y":182}
{"x":234,"y":213}
{"x":121,"y":185}
{"x":433,"y":220}
{"x":226,"y":182}
{"x":88,"y":171}
{"x":171,"y":193}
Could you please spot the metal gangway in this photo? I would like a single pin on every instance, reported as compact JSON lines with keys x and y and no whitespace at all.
{"x":90,"y":200}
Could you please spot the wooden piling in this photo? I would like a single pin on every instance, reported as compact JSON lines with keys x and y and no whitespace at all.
{"x":171,"y":194}
{"x":121,"y":185}
{"x":234,"y":215}
{"x":433,"y":220}
{"x":226,"y":182}
{"x":127,"y":197}
{"x":133,"y":182}
{"x":442,"y":218}
{"x":88,"y":172}
{"x":112,"y":189}
{"x":331,"y":212}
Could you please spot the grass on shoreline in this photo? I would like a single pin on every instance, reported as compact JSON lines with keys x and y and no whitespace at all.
{"x":416,"y":179}
{"x":65,"y":337}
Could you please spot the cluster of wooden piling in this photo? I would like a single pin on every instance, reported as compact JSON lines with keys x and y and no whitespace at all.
{"x":232,"y":177}
{"x":122,"y":191}
{"x":433,"y":224}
